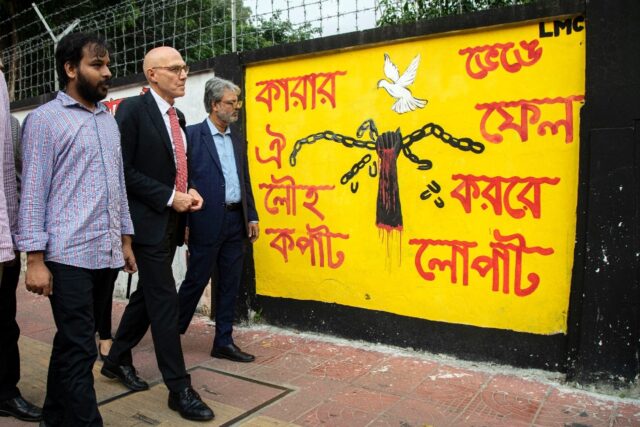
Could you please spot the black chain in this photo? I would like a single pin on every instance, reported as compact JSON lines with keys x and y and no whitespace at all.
{"x":357,"y":167}
{"x":347,"y":141}
{"x":462,"y":144}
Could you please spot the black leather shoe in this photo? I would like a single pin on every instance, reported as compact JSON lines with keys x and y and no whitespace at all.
{"x":232,"y":352}
{"x":126,"y":374}
{"x":190,"y":406}
{"x":20,"y":409}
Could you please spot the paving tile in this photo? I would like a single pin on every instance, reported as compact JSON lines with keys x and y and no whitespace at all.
{"x":335,"y":415}
{"x":626,"y":415}
{"x":317,"y":386}
{"x":361,"y":356}
{"x":388,"y":383}
{"x":450,"y":387}
{"x":296,"y":362}
{"x":411,"y":412}
{"x":340,"y":370}
{"x":34,"y":364}
{"x":408,"y":366}
{"x":481,"y":420}
{"x":209,"y":383}
{"x":40,"y":333}
{"x":272,"y":374}
{"x":226,"y":365}
{"x":262,"y":421}
{"x":244,"y":336}
{"x":370,"y":401}
{"x":34,"y":358}
{"x":283,"y":342}
{"x":561,"y":409}
{"x":506,"y":400}
{"x":196,"y":348}
{"x":396,"y":375}
{"x":310,"y":392}
{"x":264,"y":351}
{"x":240,"y":393}
{"x":292,"y":406}
{"x":150,"y":408}
{"x":318,"y":348}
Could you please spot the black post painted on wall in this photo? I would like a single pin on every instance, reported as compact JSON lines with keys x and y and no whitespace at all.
{"x":604,"y":321}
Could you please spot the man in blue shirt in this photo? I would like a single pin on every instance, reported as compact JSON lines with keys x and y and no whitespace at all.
{"x":219,"y":232}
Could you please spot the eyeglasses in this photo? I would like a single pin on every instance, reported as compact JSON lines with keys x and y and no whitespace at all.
{"x":175,"y":69}
{"x":234,"y":104}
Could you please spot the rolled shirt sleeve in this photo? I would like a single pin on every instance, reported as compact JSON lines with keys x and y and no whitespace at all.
{"x":37,"y":169}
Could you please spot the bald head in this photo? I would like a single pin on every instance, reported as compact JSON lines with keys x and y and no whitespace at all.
{"x":164,"y":69}
{"x":161,"y":57}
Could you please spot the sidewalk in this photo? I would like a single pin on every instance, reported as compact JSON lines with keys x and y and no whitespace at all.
{"x":299,"y":379}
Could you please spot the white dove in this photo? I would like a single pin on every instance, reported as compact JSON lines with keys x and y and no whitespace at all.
{"x":405,"y":101}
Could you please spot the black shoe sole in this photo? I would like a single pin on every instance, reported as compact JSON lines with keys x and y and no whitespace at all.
{"x":224,"y":356}
{"x":4,"y":413}
{"x":174,"y":407}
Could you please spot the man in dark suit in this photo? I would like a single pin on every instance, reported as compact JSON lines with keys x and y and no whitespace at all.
{"x":219,"y":232}
{"x":155,"y":168}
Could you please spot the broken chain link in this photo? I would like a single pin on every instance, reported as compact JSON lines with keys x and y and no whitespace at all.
{"x":357,"y":167}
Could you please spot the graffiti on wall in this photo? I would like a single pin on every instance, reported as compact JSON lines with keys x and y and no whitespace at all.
{"x":446,"y":191}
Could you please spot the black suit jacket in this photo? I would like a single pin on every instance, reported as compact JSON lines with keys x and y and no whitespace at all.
{"x":149,"y":167}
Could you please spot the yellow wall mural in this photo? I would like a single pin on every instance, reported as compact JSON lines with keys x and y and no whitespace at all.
{"x":434,"y":178}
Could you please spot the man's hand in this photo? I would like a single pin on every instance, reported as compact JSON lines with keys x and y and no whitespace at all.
{"x":38,"y":278}
{"x":182,"y":202}
{"x":127,"y":252}
{"x":197,"y":200}
{"x":254,"y":231}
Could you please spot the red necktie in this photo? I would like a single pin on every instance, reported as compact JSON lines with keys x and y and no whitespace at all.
{"x":181,"y":157}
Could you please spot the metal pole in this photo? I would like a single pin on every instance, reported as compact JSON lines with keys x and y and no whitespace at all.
{"x":44,"y":21}
{"x":55,"y":38}
{"x":233,"y":26}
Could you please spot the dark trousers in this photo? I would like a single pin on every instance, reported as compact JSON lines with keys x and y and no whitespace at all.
{"x":104,"y":308}
{"x":71,"y":398}
{"x":154,"y":303}
{"x":224,"y":258}
{"x":9,"y":333}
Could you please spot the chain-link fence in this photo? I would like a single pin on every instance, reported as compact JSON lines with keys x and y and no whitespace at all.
{"x":199,"y":29}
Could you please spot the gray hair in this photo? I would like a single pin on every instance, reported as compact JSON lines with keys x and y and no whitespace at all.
{"x":214,"y":90}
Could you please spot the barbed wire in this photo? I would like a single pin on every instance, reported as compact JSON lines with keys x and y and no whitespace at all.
{"x":199,"y":29}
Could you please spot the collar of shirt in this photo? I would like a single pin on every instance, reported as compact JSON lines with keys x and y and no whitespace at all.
{"x":214,"y":130}
{"x":163,"y":105}
{"x":68,"y":101}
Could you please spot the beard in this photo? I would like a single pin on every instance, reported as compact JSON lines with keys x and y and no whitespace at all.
{"x":92,"y":93}
{"x":229,"y":117}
